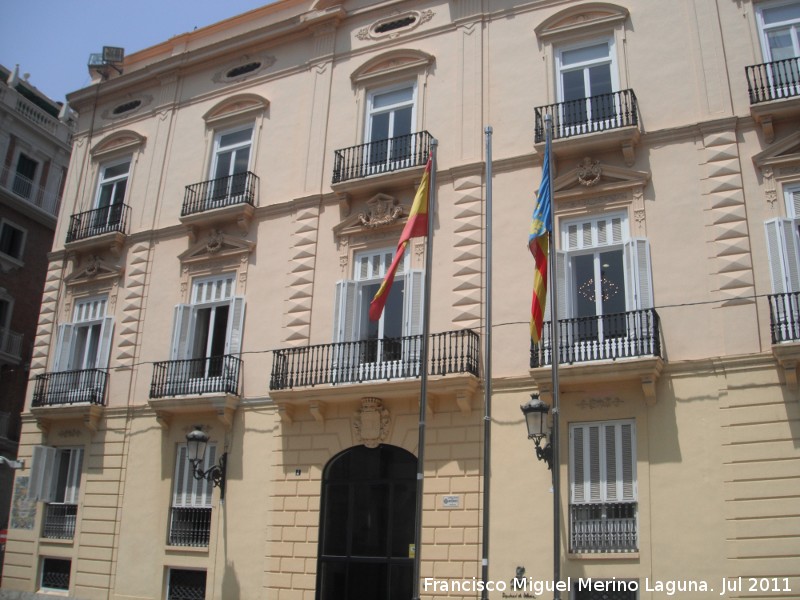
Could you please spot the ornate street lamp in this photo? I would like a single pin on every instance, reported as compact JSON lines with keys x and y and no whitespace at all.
{"x":196,"y":442}
{"x":535,"y":411}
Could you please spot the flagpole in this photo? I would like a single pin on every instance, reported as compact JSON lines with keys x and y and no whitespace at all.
{"x":554,"y":352}
{"x":423,"y":359}
{"x":487,"y":368}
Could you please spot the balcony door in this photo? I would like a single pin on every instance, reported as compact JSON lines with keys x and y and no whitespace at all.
{"x":111,"y":189}
{"x":390,"y":121}
{"x":229,"y":167}
{"x":366,"y":537}
{"x":778,"y":25}
{"x":587,"y":78}
{"x":24,"y":176}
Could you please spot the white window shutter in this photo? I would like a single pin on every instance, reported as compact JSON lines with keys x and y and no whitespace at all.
{"x":104,"y":348}
{"x":784,"y":254}
{"x":413,"y":300}
{"x":562,"y":286}
{"x":182,"y":475}
{"x":594,"y":480}
{"x":72,"y":491}
{"x":206,"y":488}
{"x":628,"y":460}
{"x":235,"y":326}
{"x":638,"y":277}
{"x":63,"y":347}
{"x":577,"y":484}
{"x":42,"y":486}
{"x":345,"y":315}
{"x":181,"y":332}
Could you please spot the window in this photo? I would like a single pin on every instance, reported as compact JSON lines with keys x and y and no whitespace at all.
{"x":111,"y":187}
{"x":24,"y":176}
{"x":208,"y":331}
{"x":230,"y":165}
{"x":388,"y":347}
{"x":190,"y":516}
{"x":55,"y":574}
{"x":390,"y":122}
{"x":778,"y":24}
{"x":783,"y":253}
{"x":367,"y":517}
{"x":12,"y":240}
{"x":587,"y":78}
{"x":55,"y":479}
{"x":603,"y":489}
{"x":604,"y":285}
{"x":185,"y":584}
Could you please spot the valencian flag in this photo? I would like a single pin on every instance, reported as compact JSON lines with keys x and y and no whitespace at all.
{"x":538,"y":243}
{"x":416,"y":226}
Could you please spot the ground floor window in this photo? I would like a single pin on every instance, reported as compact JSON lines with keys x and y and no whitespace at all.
{"x":186,"y":584}
{"x":55,"y":574}
{"x":367,"y":520}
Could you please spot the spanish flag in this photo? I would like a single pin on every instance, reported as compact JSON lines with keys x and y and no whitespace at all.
{"x":538,"y":242}
{"x":416,"y":226}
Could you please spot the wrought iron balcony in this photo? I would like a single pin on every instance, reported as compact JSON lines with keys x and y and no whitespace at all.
{"x":35,"y":195}
{"x":607,"y":527}
{"x":190,"y":526}
{"x":240,"y":188}
{"x":214,"y":375}
{"x":70,"y":387}
{"x":773,"y":80}
{"x":92,"y":223}
{"x":784,"y":317}
{"x":372,"y":360}
{"x":382,"y":156}
{"x":59,"y":521}
{"x":588,"y":115}
{"x":607,"y":337}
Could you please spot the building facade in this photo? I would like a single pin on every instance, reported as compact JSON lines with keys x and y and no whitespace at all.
{"x":234,"y":199}
{"x":35,"y":142}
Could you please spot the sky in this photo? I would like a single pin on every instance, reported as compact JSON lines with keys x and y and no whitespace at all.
{"x":52,"y":39}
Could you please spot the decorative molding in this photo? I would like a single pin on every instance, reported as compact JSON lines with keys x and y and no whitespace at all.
{"x":144,"y":100}
{"x":221,"y":76}
{"x":467,"y":260}
{"x":371,"y":423}
{"x":119,"y":142}
{"x":217,"y":245}
{"x":300,"y":276}
{"x":602,"y":403}
{"x":403,"y":61}
{"x":240,"y":106}
{"x":589,"y":172}
{"x":382,"y":210}
{"x":582,"y":17}
{"x":418,"y":18}
{"x":93,"y":270}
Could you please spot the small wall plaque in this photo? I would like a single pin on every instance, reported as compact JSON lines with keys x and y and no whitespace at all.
{"x":451,"y":501}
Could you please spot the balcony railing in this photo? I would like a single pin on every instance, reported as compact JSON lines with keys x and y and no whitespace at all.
{"x":11,"y":343}
{"x":382,"y":156}
{"x":190,"y":526}
{"x":214,"y":375}
{"x":70,"y":387}
{"x":619,"y":335}
{"x":59,"y":521}
{"x":371,"y":360}
{"x":603,"y":527}
{"x":773,"y":80}
{"x":588,"y":115}
{"x":784,"y":317}
{"x":240,"y":188}
{"x":35,"y":195}
{"x":91,"y":223}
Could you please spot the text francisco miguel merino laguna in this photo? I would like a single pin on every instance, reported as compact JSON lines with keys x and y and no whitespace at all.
{"x":522,"y":587}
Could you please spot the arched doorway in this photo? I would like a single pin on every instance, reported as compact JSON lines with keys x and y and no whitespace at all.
{"x":367,"y":525}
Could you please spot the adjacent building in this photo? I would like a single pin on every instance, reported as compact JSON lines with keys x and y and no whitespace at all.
{"x":234,"y":198}
{"x":35,"y":144}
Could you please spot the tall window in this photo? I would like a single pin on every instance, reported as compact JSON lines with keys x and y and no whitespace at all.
{"x":587,"y":76}
{"x":190,"y":516}
{"x":209,"y":328}
{"x":783,"y":252}
{"x":390,"y":122}
{"x":12,"y":240}
{"x":603,"y":488}
{"x":778,"y":25}
{"x":230,"y":164}
{"x":389,"y":346}
{"x":24,"y":176}
{"x":366,"y":538}
{"x":111,"y":187}
{"x":55,"y":479}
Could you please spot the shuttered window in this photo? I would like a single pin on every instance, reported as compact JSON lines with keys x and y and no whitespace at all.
{"x":187,"y":490}
{"x":56,"y":474}
{"x":603,"y":462}
{"x":85,"y":342}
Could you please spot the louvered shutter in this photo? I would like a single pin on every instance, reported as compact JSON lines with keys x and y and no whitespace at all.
{"x":42,"y":469}
{"x":628,"y":459}
{"x":639,"y":281}
{"x":63,"y":347}
{"x":783,"y":254}
{"x":603,"y":462}
{"x":233,"y":343}
{"x":345,"y":322}
{"x":181,"y":331}
{"x":73,"y":483}
{"x":562,"y":286}
{"x":104,"y":348}
{"x":189,"y":492}
{"x":578,"y":494}
{"x":412,"y":300}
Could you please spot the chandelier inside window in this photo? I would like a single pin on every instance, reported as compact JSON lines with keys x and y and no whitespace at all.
{"x":608,"y":289}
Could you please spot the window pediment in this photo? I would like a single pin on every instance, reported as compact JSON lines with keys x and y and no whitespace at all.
{"x":782,"y":153}
{"x":592,"y":178}
{"x":239,"y":106}
{"x":125,"y":141}
{"x":93,"y":270}
{"x":397,"y":62}
{"x":218,"y":245}
{"x":581,"y":18}
{"x":380,"y":211}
